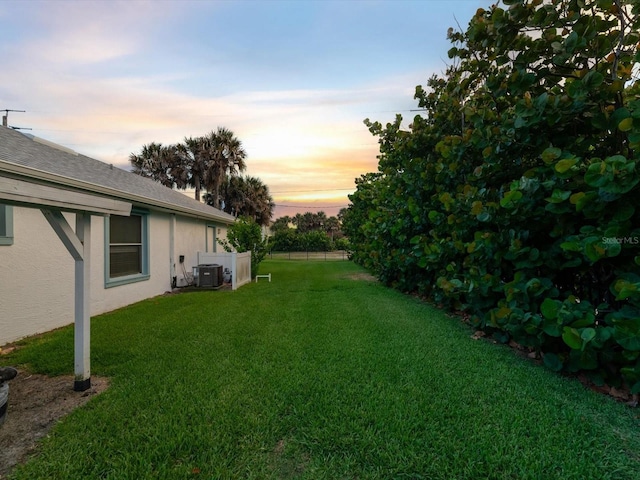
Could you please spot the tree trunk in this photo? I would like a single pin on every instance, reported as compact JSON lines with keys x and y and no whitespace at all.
{"x":197,"y":183}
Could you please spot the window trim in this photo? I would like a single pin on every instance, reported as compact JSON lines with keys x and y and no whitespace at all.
{"x":137,"y":277}
{"x":7,"y":238}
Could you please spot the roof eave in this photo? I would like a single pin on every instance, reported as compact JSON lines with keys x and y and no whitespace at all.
{"x":72,"y":183}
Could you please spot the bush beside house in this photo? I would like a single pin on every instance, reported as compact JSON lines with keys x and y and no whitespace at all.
{"x":515,"y":195}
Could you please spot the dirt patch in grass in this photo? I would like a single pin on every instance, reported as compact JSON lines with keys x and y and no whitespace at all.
{"x":363,"y":276}
{"x":36,"y":403}
{"x":285,"y":465}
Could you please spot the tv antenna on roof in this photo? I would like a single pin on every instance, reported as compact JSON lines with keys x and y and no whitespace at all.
{"x":5,"y":118}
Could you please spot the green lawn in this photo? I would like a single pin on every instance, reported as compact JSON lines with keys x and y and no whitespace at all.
{"x":320,"y":375}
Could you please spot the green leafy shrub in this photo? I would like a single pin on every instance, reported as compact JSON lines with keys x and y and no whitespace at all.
{"x":515,"y":197}
{"x":246,"y":235}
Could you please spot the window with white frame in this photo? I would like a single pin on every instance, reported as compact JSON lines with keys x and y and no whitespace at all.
{"x":127,"y":258}
{"x":6,"y":225}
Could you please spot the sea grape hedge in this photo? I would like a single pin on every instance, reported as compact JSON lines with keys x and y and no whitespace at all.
{"x":515,"y":195}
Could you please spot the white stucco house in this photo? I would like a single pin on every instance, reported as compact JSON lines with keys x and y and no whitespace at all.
{"x":129,"y":237}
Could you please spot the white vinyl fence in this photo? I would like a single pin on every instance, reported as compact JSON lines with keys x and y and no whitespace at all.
{"x":239,"y":264}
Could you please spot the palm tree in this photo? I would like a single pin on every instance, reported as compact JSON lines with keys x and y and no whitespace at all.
{"x":298,"y":220}
{"x":192,"y":153}
{"x":247,"y":197}
{"x":202,"y":163}
{"x":161,"y":163}
{"x":259,"y":202}
{"x":307,"y":222}
{"x":281,"y":223}
{"x":319,"y":220}
{"x":225,"y":156}
{"x":232,"y":194}
{"x":331,"y":225}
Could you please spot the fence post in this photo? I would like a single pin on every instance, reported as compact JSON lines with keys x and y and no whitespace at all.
{"x":234,"y":271}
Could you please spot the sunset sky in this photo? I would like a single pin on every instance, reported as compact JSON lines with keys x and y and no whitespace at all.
{"x":293,"y":80}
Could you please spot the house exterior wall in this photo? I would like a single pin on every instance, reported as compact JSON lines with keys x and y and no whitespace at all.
{"x":190,"y":238}
{"x":107,"y":299}
{"x":37,"y":271}
{"x":36,"y":279}
{"x":222,"y":235}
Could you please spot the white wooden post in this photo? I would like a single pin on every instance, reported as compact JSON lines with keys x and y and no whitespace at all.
{"x":82,"y":332}
{"x":78,"y":244}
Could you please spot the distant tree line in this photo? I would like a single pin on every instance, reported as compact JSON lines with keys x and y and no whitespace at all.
{"x":213,"y":164}
{"x":308,"y":232}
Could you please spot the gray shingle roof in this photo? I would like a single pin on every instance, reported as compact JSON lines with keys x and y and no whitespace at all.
{"x":69,"y":170}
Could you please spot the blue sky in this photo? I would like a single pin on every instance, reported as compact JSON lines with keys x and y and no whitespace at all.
{"x":294,"y":80}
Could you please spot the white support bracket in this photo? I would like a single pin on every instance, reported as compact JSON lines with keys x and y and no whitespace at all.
{"x":268,"y":275}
